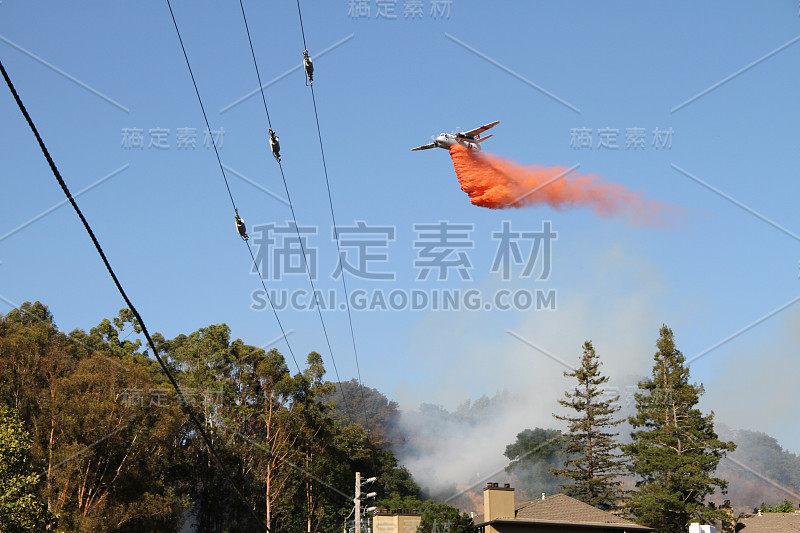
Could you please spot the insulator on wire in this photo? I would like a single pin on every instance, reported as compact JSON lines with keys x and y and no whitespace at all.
{"x":309,"y":66}
{"x":240,"y":227}
{"x":275,"y":145}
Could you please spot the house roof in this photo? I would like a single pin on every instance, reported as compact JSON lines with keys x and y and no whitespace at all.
{"x":560,"y":509}
{"x":770,"y":523}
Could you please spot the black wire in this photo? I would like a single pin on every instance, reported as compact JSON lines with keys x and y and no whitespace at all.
{"x":227,"y":186}
{"x":208,"y":126}
{"x":335,"y":232}
{"x":258,"y":75}
{"x":339,"y":258}
{"x":296,"y":225}
{"x":302,"y":31}
{"x":124,"y":295}
{"x":255,"y":264}
{"x":341,"y":267}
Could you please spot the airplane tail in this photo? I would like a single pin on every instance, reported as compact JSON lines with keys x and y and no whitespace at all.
{"x":484,"y":138}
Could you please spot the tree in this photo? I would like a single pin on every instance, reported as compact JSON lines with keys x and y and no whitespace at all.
{"x":116,"y":452}
{"x":784,"y":507}
{"x":395,"y":501}
{"x":30,"y":314}
{"x":676,"y":450}
{"x":594,"y":462}
{"x":354,"y":402}
{"x":105,"y":462}
{"x":532,"y":456}
{"x":443,"y":518}
{"x":20,"y":511}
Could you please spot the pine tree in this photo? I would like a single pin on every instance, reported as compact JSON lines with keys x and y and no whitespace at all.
{"x":676,"y":451}
{"x":593,"y":461}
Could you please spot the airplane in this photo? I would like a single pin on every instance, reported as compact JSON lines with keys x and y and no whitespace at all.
{"x":470,"y":139}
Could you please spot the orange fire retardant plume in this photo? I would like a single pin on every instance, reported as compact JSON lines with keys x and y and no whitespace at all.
{"x":497,"y":183}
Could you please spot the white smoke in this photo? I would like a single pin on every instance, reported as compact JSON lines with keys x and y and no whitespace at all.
{"x":466,"y":355}
{"x":756,"y":381}
{"x":619,"y":304}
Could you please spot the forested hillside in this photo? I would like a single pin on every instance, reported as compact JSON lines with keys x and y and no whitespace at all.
{"x":105,"y":442}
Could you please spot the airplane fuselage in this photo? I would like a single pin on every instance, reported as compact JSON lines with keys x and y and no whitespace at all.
{"x":471,"y":140}
{"x":446,"y":140}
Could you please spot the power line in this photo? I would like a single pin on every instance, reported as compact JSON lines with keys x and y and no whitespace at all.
{"x":124,"y":295}
{"x":294,"y":217}
{"x":302,"y":31}
{"x":233,"y":203}
{"x":202,"y":108}
{"x":309,"y":71}
{"x":335,"y":232}
{"x":227,"y":186}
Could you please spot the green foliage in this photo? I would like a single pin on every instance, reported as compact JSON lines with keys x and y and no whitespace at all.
{"x":533,"y":455}
{"x":594,"y":463}
{"x":119,"y":453}
{"x":442,"y":518}
{"x":30,"y":314}
{"x":395,"y":501}
{"x":107,"y":460}
{"x":784,"y":507}
{"x":676,"y":450}
{"x":20,"y":509}
{"x":354,"y":403}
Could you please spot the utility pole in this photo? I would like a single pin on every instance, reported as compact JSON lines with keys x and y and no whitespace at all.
{"x":358,"y":502}
{"x":357,"y":499}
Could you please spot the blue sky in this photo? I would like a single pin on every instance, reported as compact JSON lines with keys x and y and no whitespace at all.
{"x":166,"y":222}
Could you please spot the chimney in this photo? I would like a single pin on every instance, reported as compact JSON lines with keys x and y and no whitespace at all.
{"x":728,"y":521}
{"x":498,"y":502}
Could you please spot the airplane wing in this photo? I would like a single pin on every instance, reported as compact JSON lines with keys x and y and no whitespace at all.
{"x":425,"y":147}
{"x":478,"y":131}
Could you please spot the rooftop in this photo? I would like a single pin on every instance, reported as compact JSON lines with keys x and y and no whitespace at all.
{"x":562,"y":509}
{"x":769,"y":523}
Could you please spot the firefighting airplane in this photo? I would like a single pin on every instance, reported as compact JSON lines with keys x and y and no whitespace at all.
{"x":470,"y":139}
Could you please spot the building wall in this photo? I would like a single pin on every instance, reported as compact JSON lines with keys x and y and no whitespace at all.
{"x":398,"y":523}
